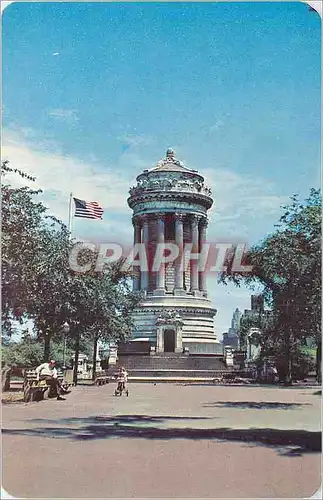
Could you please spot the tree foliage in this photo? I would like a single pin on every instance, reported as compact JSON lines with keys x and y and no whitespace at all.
{"x":29,"y":352}
{"x":288,"y":265}
{"x":39,"y":284}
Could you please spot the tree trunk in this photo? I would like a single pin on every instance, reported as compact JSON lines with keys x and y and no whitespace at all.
{"x":288,"y":360}
{"x":285,"y":364}
{"x":76,"y":357}
{"x":289,"y":370}
{"x":288,"y":379}
{"x":5,"y":378}
{"x":319,"y":362}
{"x":95,"y":346}
{"x":46,"y":348}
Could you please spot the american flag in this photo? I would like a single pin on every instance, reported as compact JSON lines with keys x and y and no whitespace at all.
{"x":88,"y":209}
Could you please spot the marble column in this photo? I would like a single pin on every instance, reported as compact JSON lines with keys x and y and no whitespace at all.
{"x":202,"y":274}
{"x":179,"y":339}
{"x":179,"y":262}
{"x":160,"y":338}
{"x":145,"y":241}
{"x":195,"y":248}
{"x":136,"y":240}
{"x":161,"y":242}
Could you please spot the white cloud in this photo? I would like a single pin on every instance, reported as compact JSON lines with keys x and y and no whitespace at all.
{"x":58,"y":175}
{"x":242,"y":204}
{"x":68,"y":115}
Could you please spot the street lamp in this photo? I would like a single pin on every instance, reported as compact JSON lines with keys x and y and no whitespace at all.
{"x":66,"y":329}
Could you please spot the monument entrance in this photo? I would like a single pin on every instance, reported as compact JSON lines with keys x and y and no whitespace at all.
{"x":169,"y":340}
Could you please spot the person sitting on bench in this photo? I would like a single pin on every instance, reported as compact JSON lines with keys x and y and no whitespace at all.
{"x":48,"y":372}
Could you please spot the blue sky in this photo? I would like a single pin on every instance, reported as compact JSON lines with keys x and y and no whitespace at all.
{"x":95,"y":92}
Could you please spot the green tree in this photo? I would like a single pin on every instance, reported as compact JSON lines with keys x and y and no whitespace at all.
{"x":27,"y":353}
{"x":34,"y":252}
{"x":101,"y":306}
{"x":38,"y":281}
{"x":288,"y":265}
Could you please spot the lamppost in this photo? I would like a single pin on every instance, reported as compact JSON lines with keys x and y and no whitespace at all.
{"x":66,"y":329}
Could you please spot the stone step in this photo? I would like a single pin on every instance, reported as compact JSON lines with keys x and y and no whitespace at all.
{"x":174,"y":362}
{"x":175,"y":373}
{"x":133,"y":370}
{"x":174,"y":379}
{"x":169,"y":355}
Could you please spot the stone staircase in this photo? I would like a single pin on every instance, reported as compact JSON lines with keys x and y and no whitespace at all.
{"x":170,"y":367}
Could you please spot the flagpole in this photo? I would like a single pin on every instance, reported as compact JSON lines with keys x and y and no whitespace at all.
{"x":70,"y":216}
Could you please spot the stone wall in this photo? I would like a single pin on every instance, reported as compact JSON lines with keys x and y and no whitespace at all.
{"x":197,"y":323}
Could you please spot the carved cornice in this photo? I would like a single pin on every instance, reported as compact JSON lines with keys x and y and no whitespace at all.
{"x":169,"y":318}
{"x":191,"y":311}
{"x":179,"y":183}
{"x":199,"y":199}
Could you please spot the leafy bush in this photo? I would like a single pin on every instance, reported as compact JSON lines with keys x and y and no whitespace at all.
{"x":303,"y":364}
{"x":29,"y":353}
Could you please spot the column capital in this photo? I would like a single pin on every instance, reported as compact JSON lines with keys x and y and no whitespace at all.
{"x":136,"y":221}
{"x":160,"y":216}
{"x":195,"y":219}
{"x":143,"y":218}
{"x":179,"y":216}
{"x":204,"y":221}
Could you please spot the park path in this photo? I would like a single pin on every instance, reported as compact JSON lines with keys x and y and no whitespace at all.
{"x":165,"y":441}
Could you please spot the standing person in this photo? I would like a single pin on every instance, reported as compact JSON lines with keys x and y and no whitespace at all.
{"x":48,"y":372}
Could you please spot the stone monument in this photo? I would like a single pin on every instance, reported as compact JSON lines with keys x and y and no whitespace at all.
{"x":170,"y":204}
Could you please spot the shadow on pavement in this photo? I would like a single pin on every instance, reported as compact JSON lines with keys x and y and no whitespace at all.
{"x":287,"y":442}
{"x":117,"y":419}
{"x":261,"y":405}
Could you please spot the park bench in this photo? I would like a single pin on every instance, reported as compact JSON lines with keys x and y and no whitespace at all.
{"x":229,"y":377}
{"x":225,"y":378}
{"x":101,"y":378}
{"x":36,"y":390}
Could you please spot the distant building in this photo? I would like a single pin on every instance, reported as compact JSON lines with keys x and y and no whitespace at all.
{"x":230,"y":341}
{"x":257,"y":308}
{"x":236,"y":318}
{"x":231,"y":338}
{"x":257,"y":303}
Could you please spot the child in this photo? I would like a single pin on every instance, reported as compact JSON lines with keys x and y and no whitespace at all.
{"x":122,"y":379}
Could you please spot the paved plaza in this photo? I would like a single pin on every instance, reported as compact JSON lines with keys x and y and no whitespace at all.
{"x":166,"y":441}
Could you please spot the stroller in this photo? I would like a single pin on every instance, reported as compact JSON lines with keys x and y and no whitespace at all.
{"x":121,"y":389}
